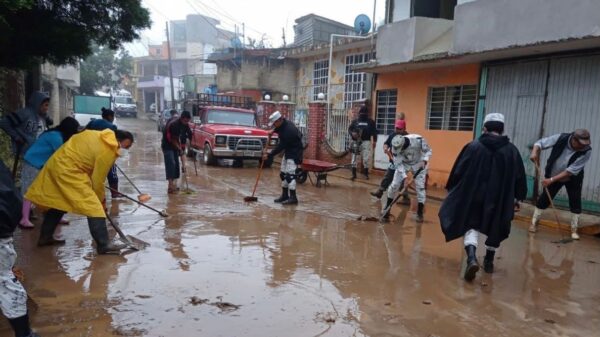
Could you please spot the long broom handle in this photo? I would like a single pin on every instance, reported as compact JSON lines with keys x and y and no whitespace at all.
{"x":129,"y":180}
{"x":262,"y":163}
{"x":138,"y":202}
{"x":549,"y":198}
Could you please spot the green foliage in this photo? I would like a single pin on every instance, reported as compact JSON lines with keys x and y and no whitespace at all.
{"x":63,"y":31}
{"x":104,"y":68}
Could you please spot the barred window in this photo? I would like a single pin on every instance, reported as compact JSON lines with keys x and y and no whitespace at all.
{"x":386,"y":110}
{"x":355,"y":82}
{"x":451,"y":108}
{"x":320,"y":75}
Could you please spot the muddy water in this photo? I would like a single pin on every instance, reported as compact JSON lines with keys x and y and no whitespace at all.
{"x":219,"y":267}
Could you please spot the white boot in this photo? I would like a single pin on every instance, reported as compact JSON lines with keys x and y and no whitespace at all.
{"x":574,"y":225}
{"x":537,"y":213}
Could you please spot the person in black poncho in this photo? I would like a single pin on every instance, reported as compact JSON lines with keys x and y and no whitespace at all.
{"x":486,"y":182}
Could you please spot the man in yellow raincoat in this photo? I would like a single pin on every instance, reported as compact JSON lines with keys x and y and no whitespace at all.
{"x":72,"y":181}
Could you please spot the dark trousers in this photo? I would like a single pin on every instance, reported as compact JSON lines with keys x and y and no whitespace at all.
{"x":171,"y":164}
{"x":573,"y":191}
{"x":387,"y":179}
{"x":112,"y":177}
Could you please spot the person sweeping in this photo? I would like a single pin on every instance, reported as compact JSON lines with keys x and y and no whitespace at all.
{"x":570,"y":152}
{"x":290,"y":143}
{"x":73,"y":181}
{"x":485,"y":185}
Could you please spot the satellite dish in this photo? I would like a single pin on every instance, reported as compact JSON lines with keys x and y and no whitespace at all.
{"x":362,"y":24}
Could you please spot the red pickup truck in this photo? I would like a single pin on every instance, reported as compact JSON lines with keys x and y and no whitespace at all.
{"x":220,"y":130}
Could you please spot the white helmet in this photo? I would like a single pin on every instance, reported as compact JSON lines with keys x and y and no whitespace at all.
{"x":275,"y":116}
{"x":398,"y":142}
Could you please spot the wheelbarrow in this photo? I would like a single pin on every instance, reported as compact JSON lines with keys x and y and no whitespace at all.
{"x":318,"y":169}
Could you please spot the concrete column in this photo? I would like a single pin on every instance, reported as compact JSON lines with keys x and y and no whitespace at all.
{"x":316,"y":128}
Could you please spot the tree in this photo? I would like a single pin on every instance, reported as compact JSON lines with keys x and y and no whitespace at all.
{"x":63,"y":31}
{"x":104,"y":67}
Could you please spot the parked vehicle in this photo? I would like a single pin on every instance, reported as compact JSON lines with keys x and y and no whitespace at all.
{"x":224,"y":127}
{"x":87,"y":108}
{"x":124,"y":106}
{"x":153,"y":108}
{"x":162,"y":119}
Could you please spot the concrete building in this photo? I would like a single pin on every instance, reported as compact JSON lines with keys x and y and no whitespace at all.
{"x":60,"y":83}
{"x":192,"y":40}
{"x":536,"y":61}
{"x":312,"y":30}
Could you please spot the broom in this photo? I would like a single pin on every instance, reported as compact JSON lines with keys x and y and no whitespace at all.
{"x":252,"y":198}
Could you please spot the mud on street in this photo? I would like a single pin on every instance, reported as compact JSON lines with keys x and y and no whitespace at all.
{"x":220,"y":267}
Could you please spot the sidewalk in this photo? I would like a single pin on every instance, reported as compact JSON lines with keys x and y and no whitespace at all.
{"x":589,"y":224}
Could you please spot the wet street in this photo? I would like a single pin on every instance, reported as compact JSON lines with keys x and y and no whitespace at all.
{"x":220,"y":267}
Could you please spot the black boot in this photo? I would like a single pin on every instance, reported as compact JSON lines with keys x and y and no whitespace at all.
{"x":51,"y":220}
{"x":472,"y":264}
{"x":420,"y":207}
{"x":292,"y":200}
{"x":353,"y":173}
{"x":388,"y":208}
{"x":100,"y":234}
{"x":114,"y":190}
{"x":366,"y":173}
{"x":284,"y":195}
{"x":377,"y":193}
{"x":21,"y":327}
{"x":488,"y":261}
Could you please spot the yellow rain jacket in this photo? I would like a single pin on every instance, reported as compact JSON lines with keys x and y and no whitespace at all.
{"x":72,"y":180}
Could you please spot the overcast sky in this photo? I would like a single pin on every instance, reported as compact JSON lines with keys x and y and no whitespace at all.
{"x":260,"y":16}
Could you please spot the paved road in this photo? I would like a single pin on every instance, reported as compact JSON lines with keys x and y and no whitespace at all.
{"x":220,"y":267}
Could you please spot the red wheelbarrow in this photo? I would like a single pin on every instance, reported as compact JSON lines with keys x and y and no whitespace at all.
{"x":319,"y":170}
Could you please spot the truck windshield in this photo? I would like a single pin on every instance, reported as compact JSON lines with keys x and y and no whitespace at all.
{"x":230,"y":117}
{"x":123,"y":100}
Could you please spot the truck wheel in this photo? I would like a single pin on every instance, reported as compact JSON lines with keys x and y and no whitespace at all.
{"x":268,"y":163}
{"x":301,"y":177}
{"x":208,"y":157}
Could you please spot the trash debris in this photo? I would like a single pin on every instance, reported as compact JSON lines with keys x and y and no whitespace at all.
{"x":427,"y":302}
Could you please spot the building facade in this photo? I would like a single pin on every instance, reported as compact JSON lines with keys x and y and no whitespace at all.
{"x":541,"y":75}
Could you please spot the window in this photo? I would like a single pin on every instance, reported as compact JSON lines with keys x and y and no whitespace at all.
{"x":440,"y":9}
{"x":386,"y":110}
{"x":320,"y":75}
{"x":451,"y":108}
{"x":355,"y":82}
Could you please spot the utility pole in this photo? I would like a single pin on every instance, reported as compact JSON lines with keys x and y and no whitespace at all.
{"x":283,"y":35}
{"x":173,"y":102}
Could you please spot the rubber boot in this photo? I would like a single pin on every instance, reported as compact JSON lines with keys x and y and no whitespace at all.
{"x":366,"y":173}
{"x":292,"y":200}
{"x":100,"y":234}
{"x":378,"y":193}
{"x":574,"y":225}
{"x":284,"y":195}
{"x":114,"y":188}
{"x":387,"y":207}
{"x":420,"y":207}
{"x":472,"y":264}
{"x":353,"y":173}
{"x":488,"y":261}
{"x":21,"y":327}
{"x":535,"y":218}
{"x":48,"y":227}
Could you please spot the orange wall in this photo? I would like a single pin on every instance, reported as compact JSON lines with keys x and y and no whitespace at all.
{"x":412,"y":89}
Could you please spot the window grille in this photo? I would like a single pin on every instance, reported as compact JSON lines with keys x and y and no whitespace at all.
{"x":452,"y":108}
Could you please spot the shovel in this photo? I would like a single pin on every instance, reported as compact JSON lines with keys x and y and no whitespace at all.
{"x":143,"y":197}
{"x":252,"y":198}
{"x":162,"y":213}
{"x":563,"y":239}
{"x":131,"y":242}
